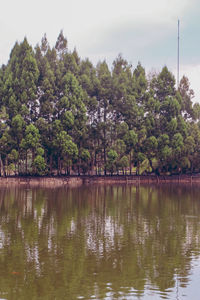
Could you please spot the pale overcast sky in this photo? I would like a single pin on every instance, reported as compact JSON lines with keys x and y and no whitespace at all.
{"x":141,"y":30}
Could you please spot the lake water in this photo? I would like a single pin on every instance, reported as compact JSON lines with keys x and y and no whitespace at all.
{"x":100,"y":242}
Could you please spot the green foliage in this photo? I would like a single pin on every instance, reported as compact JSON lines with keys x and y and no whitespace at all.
{"x":31,"y":137}
{"x":40,"y":165}
{"x":123,"y":162}
{"x":13,"y":156}
{"x":111,"y":161}
{"x":130,"y":139}
{"x":165,"y":153}
{"x":120,"y":146}
{"x":145,"y":167}
{"x":151,"y":144}
{"x":59,"y":112}
{"x":64,"y":145}
{"x":40,"y":151}
{"x":177,"y":143}
{"x":85,"y":155}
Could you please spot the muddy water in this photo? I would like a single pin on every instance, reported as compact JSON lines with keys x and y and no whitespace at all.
{"x":100,"y":242}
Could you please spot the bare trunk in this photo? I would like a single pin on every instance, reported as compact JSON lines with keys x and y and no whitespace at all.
{"x":104,"y":136}
{"x":6,"y":164}
{"x":18,"y":166}
{"x":33,"y":158}
{"x":26,"y":163}
{"x":58,"y":167}
{"x":51,"y":164}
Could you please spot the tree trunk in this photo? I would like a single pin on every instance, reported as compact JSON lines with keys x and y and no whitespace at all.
{"x":18,"y":167}
{"x":192,"y":167}
{"x":26,"y":163}
{"x":151,"y":165}
{"x":58,"y":167}
{"x":2,"y":168}
{"x":6,"y":169}
{"x":104,"y":160}
{"x":33,"y":158}
{"x":104,"y":136}
{"x":51,"y":164}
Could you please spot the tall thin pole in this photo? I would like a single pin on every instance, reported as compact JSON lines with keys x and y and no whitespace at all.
{"x":178,"y":56}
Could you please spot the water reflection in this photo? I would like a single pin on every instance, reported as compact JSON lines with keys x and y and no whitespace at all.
{"x":114,"y":242}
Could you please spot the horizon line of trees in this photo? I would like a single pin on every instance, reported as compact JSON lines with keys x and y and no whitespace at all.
{"x":61,"y":114}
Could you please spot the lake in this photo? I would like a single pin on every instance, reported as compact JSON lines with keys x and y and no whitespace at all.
{"x":100,"y":242}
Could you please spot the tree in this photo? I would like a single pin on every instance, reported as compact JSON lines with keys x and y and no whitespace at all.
{"x":131,"y":140}
{"x":177,"y":147}
{"x":84,"y":158}
{"x":151,"y":145}
{"x":163,"y":84}
{"x":39,"y":162}
{"x":103,"y":98}
{"x":111,"y":162}
{"x":61,"y":45}
{"x":46,"y":88}
{"x":187,"y":95}
{"x":65,"y":149}
{"x":164,"y":152}
{"x":85,"y":116}
{"x":13,"y":157}
{"x":70,"y":109}
{"x":21,"y":79}
{"x":123,"y":163}
{"x":30,"y":143}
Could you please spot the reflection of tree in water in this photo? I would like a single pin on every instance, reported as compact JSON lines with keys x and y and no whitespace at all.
{"x":90,"y":240}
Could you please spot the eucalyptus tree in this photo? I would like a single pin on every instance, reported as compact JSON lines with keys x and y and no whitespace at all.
{"x":58,"y":111}
{"x":164,"y":153}
{"x":21,"y":77}
{"x":187,"y":94}
{"x":6,"y":146}
{"x":66,"y":150}
{"x":90,"y":85}
{"x":29,"y":144}
{"x":46,"y":83}
{"x":151,"y":148}
{"x":122,"y":100}
{"x":39,"y":164}
{"x":131,"y":139}
{"x":120,"y":148}
{"x":71,"y":109}
{"x":196,"y":111}
{"x":139,"y":89}
{"x":191,"y":148}
{"x":17,"y":132}
{"x":104,"y":90}
{"x":111,"y":161}
{"x":71,"y":62}
{"x":163,"y":84}
{"x":177,"y":151}
{"x":47,"y":97}
{"x":61,"y":45}
{"x":6,"y":142}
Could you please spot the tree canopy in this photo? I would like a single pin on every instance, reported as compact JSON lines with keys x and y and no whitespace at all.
{"x":60,"y":114}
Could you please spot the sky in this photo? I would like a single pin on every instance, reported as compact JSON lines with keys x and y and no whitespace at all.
{"x":140,"y":30}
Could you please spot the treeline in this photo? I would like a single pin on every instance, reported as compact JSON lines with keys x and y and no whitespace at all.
{"x":60,"y":114}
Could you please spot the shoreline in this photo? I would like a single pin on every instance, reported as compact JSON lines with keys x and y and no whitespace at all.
{"x":101,"y":179}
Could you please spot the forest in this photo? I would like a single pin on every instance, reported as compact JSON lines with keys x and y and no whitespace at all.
{"x":61,"y":115}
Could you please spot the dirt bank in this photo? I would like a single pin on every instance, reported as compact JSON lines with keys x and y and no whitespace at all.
{"x":41,"y":181}
{"x":79,"y":180}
